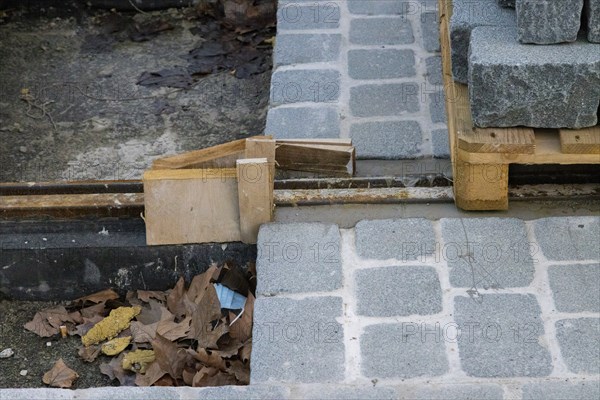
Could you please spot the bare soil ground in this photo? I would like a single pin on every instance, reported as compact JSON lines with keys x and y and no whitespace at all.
{"x":70,"y":105}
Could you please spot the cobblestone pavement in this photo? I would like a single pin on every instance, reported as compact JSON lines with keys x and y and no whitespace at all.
{"x":473,"y":308}
{"x":365,"y":69}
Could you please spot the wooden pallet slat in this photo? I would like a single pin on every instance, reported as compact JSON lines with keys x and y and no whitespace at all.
{"x":480,"y":157}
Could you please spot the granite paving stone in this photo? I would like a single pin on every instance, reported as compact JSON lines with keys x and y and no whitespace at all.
{"x":378,"y":7}
{"x":579,"y":341}
{"x":306,"y":48}
{"x":487,"y":252}
{"x":440,"y":143}
{"x":404,"y":350}
{"x":434,"y":70}
{"x":381,"y":64}
{"x":548,"y":21}
{"x":297,"y":16}
{"x":466,"y":16}
{"x":398,"y":290}
{"x":460,"y":392}
{"x":305,"y":85}
{"x":384,"y":100}
{"x":386,"y":140}
{"x":431,"y":31}
{"x":498,"y":342}
{"x":297,"y":340}
{"x":382,"y":31}
{"x":575,"y":288}
{"x":569,"y":238}
{"x":303,"y":122}
{"x":507,"y":3}
{"x":437,"y":105}
{"x":402,"y":239}
{"x":511,"y":84}
{"x":339,"y":392}
{"x":561,"y":390}
{"x":300,"y":257}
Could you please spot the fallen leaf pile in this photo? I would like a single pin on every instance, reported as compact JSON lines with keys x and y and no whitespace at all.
{"x":179,"y":337}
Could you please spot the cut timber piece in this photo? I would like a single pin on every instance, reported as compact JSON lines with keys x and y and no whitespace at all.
{"x":220,"y":156}
{"x":316,"y":157}
{"x":255,"y":194}
{"x":481,"y":186}
{"x":580,"y":141}
{"x":260,"y":148}
{"x":333,"y":142}
{"x":191,"y":206}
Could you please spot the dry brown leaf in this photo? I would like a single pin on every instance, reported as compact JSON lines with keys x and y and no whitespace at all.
{"x":246,"y":351}
{"x":206,"y":311}
{"x":47,"y":322}
{"x":201,"y":282}
{"x":93,"y":311}
{"x":212,"y":377}
{"x":175,"y":298}
{"x":188,"y":375}
{"x":143,"y":333}
{"x":166,"y":380}
{"x":240,"y":370}
{"x":228,"y":346}
{"x":154,"y":313}
{"x":88,"y":323}
{"x":241,"y":329}
{"x":89,"y":353}
{"x":212,"y":359}
{"x":208,"y":339}
{"x":171,"y":358}
{"x":153,"y":373}
{"x":60,"y":375}
{"x":146,"y":295}
{"x":99,"y":297}
{"x":173,"y":331}
{"x":114,"y":370}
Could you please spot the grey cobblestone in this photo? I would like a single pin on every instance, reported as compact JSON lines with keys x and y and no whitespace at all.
{"x":306,"y":48}
{"x":569,"y":238}
{"x":575,"y":288}
{"x":378,"y":7}
{"x":437,"y":106}
{"x":338,"y":392}
{"x":384,"y":100}
{"x":501,"y":342}
{"x":562,"y":390}
{"x":460,"y":392}
{"x":592,"y":12}
{"x":297,"y":340}
{"x":381,"y":64}
{"x":398,"y":290}
{"x":402,"y":239}
{"x":294,"y":15}
{"x":391,"y":351}
{"x":431,"y":31}
{"x":548,"y":21}
{"x":440,"y":143}
{"x":303,"y":122}
{"x":381,"y":31}
{"x":387,"y":140}
{"x":579,"y":341}
{"x":301,"y":257}
{"x":497,"y":255}
{"x":295,"y":86}
{"x":434,"y":70}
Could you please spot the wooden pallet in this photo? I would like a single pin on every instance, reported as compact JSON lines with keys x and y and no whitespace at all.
{"x":480,"y":157}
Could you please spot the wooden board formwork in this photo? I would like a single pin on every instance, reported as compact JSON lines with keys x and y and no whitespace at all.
{"x":481,"y":156}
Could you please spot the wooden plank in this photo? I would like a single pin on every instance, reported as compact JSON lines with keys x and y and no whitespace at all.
{"x":323,"y":158}
{"x":191,"y":206}
{"x":260,"y":148}
{"x":547,"y":151}
{"x":255,"y":195}
{"x":580,"y":141}
{"x":333,"y":141}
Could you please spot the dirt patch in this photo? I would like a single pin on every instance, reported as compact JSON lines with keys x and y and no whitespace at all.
{"x":33,"y":354}
{"x":71,"y":107}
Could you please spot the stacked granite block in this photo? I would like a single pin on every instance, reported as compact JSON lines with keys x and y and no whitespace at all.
{"x":592,"y":17}
{"x":511,"y":84}
{"x":466,"y":16}
{"x":530,"y":66}
{"x":548,"y":21}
